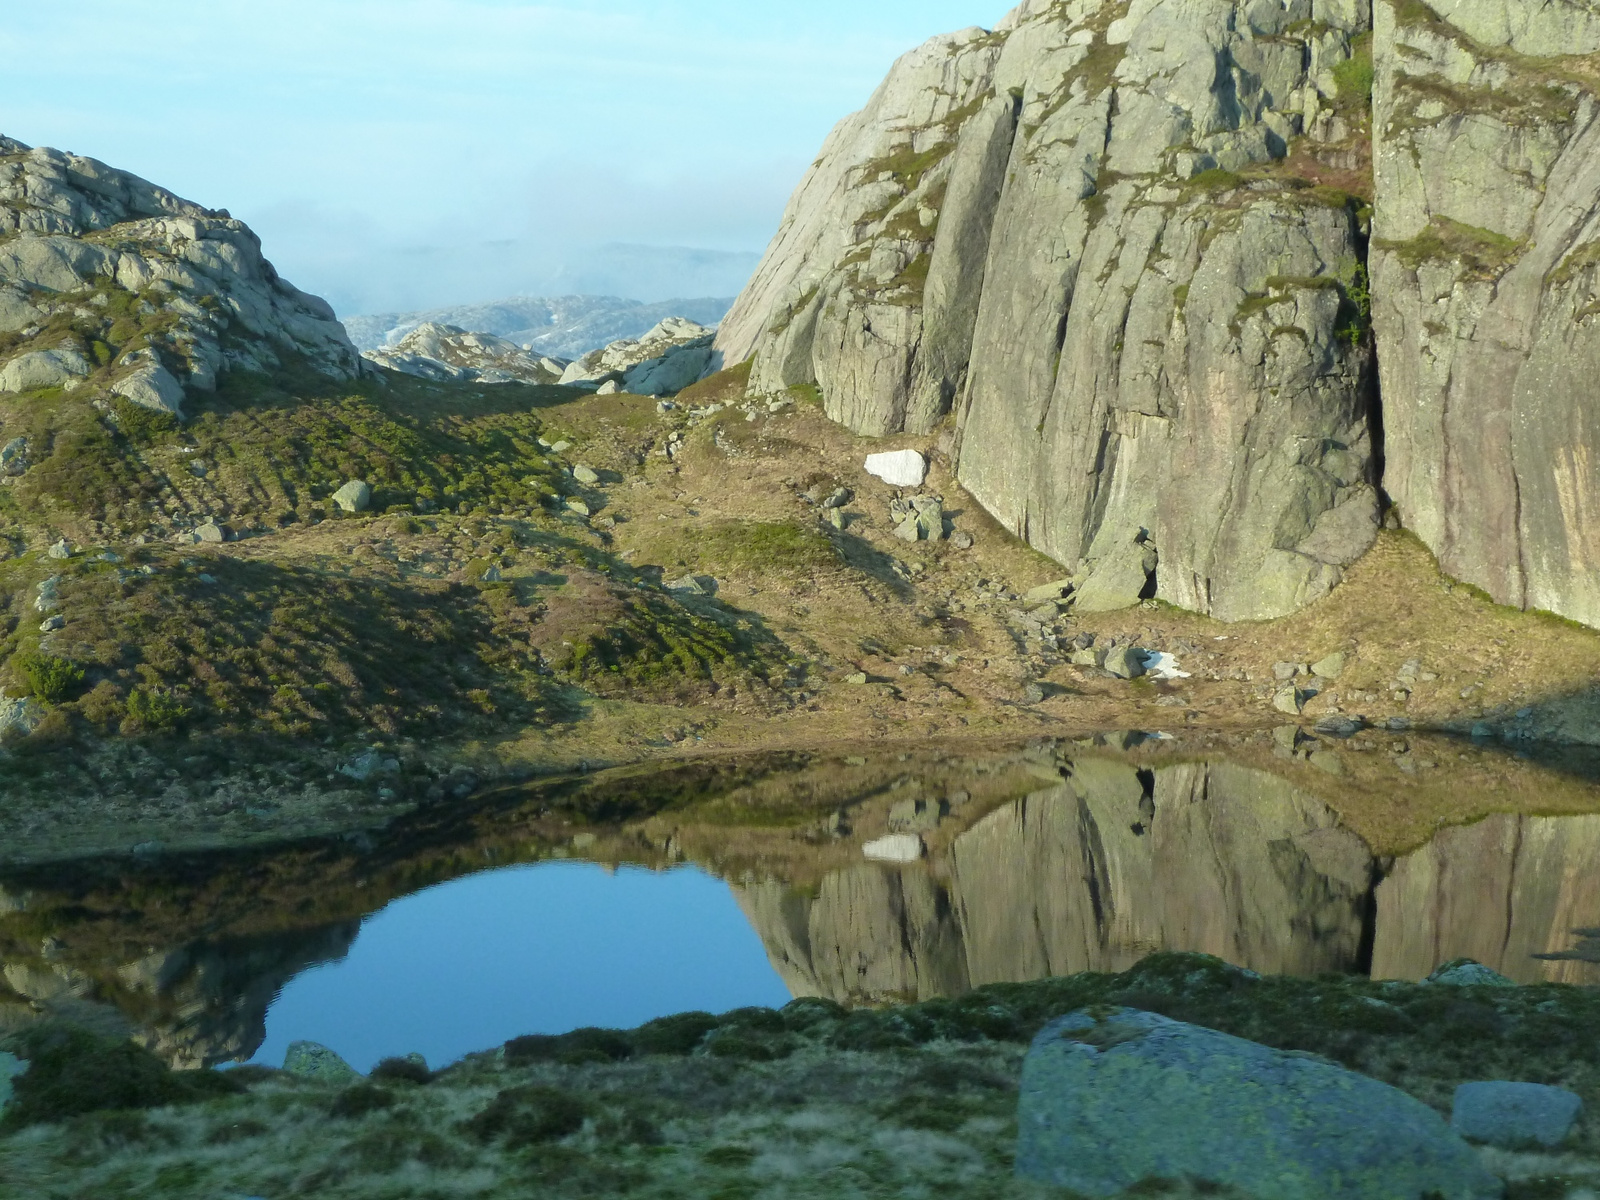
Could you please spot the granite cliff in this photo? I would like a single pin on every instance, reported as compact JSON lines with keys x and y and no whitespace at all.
{"x":1124,"y":254}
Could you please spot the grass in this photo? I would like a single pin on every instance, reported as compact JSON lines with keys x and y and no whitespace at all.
{"x":1479,"y":253}
{"x":809,"y":1100}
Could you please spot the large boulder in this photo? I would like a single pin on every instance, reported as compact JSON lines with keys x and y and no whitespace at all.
{"x":1042,"y":232}
{"x":667,"y":359}
{"x":1515,"y":1115}
{"x":1485,"y":267}
{"x":165,"y":285}
{"x":1112,"y":1098}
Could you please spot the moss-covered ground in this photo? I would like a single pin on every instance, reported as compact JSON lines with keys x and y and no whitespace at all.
{"x":810,"y":1100}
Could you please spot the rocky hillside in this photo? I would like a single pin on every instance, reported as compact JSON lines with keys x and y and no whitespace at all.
{"x":1124,"y":251}
{"x":554,"y":326}
{"x":112,"y":284}
{"x":432,"y":351}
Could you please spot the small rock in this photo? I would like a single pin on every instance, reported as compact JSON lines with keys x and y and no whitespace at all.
{"x":1338,"y":726}
{"x":1125,"y":662}
{"x":1287,"y":737}
{"x":51,"y":624}
{"x":492,"y":575}
{"x":574,"y":504}
{"x":1289,"y":700}
{"x":609,"y":388}
{"x":1045,"y":593}
{"x":309,"y":1060}
{"x":836,"y":519}
{"x":839,"y":498}
{"x":1087,"y":658}
{"x":354,"y":497}
{"x":561,"y":447}
{"x":665,"y":406}
{"x":693,"y":585}
{"x":898,"y":468}
{"x":859,"y":678}
{"x":1465,"y":972}
{"x":212,"y":532}
{"x":910,"y":529}
{"x":1032,"y":694}
{"x":1331,"y":667}
{"x":48,"y":598}
{"x":896,"y":848}
{"x":1515,"y":1116}
{"x":10,"y":1067}
{"x":1111,"y":1098}
{"x":961,"y":540}
{"x":1285,"y":671}
{"x":585,"y":475}
{"x":60,"y":550}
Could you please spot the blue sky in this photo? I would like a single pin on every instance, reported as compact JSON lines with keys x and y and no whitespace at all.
{"x":416,"y":152}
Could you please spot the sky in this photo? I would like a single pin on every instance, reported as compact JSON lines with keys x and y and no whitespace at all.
{"x":398,"y":154}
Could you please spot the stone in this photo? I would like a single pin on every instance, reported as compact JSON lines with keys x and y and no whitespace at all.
{"x":1287,"y":737}
{"x":898,"y":468}
{"x":1285,"y":671}
{"x":1336,"y":725}
{"x":10,"y":1068}
{"x":52,"y":624}
{"x":839,"y":498}
{"x":309,"y":1060}
{"x":857,"y":679}
{"x":1087,"y":657}
{"x":895,"y":848}
{"x":693,"y":585}
{"x":909,"y":529}
{"x":19,"y":715}
{"x":1118,"y":577}
{"x":1046,"y":592}
{"x":578,"y":505}
{"x":1464,"y":972}
{"x":1289,"y":700}
{"x":61,"y":549}
{"x":154,"y":387}
{"x":585,"y":475}
{"x":1331,"y":667}
{"x":1515,"y":1116}
{"x":1032,"y":694}
{"x":1115,"y":1097}
{"x":14,"y":456}
{"x":39,"y":369}
{"x":213,"y":533}
{"x":1125,"y":662}
{"x":961,"y":540}
{"x":836,"y":518}
{"x":561,"y":447}
{"x":609,"y":388}
{"x":48,"y":598}
{"x":354,"y":497}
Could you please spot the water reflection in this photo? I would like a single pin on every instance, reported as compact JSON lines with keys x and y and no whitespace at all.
{"x":1036,"y":861}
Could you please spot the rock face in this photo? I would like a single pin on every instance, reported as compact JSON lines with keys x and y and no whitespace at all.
{"x":109,"y":281}
{"x":1485,"y":266}
{"x":1041,"y":228}
{"x":446,"y":352}
{"x":1116,"y":1098}
{"x":1091,"y":875}
{"x":663,"y":362}
{"x":1106,"y":240}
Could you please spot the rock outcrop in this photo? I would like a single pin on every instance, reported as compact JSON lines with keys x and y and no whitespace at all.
{"x":667,"y":359}
{"x":1485,"y":269}
{"x":110,"y":283}
{"x":1091,"y":875}
{"x":1123,"y":246}
{"x":447,"y":352}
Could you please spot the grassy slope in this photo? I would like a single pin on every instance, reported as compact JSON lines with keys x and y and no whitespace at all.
{"x":806,"y":1101}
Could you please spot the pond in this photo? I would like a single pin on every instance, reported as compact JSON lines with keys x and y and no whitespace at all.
{"x":621,"y":896}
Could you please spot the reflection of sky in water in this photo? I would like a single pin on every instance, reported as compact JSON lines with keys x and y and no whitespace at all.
{"x":541,"y":949}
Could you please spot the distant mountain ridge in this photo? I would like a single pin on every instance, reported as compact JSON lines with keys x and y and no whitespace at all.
{"x":557,"y":326}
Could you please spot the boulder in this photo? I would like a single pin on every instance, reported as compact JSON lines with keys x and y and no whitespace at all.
{"x":1119,"y":576}
{"x":1331,"y":667}
{"x":212,"y":532}
{"x":354,"y":497}
{"x":152,"y":386}
{"x":693,"y":585}
{"x":10,"y":1067}
{"x":1515,"y":1116}
{"x":898,"y":468}
{"x":61,"y":549}
{"x":53,"y":624}
{"x":14,"y":457}
{"x":1464,"y":972}
{"x":585,"y":476}
{"x":1125,"y":662}
{"x":309,"y":1060}
{"x":1113,"y":1098}
{"x":1046,"y":592}
{"x":1289,"y":700}
{"x":19,"y":715}
{"x":895,"y":848}
{"x":38,"y":369}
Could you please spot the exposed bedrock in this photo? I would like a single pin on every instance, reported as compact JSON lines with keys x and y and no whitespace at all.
{"x":1486,"y":271}
{"x":1040,"y":229}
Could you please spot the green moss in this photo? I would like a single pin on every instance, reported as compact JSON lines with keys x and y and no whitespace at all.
{"x":1479,"y":253}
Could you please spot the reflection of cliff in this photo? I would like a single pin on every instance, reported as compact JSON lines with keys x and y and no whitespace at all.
{"x":1089,"y":875}
{"x":196,"y":1006}
{"x":1501,"y":891}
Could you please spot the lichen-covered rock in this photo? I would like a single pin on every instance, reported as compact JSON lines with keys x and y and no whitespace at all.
{"x":663,"y":362}
{"x":1515,"y":1115}
{"x":1486,"y":265}
{"x":310,"y":1060}
{"x":1114,"y":1098}
{"x":354,"y":497}
{"x":154,"y":294}
{"x":19,"y":715}
{"x":1040,"y":230}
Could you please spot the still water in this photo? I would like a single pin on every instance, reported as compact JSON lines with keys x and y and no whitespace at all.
{"x":618,"y":897}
